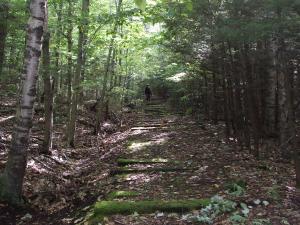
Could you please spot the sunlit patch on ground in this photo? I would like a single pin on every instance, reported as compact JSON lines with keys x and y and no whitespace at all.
{"x":36,"y":167}
{"x":137,"y":132}
{"x":138,"y":178}
{"x":137,"y":146}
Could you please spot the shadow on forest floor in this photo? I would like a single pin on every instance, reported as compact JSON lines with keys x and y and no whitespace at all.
{"x":59,"y":187}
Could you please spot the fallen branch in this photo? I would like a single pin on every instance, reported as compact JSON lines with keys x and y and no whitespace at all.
{"x":5,"y":119}
{"x":55,"y":160}
{"x":43,"y":164}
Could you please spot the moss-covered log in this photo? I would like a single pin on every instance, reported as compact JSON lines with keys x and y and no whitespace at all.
{"x":121,"y":194}
{"x":107,"y":208}
{"x":147,"y":170}
{"x":124,"y":162}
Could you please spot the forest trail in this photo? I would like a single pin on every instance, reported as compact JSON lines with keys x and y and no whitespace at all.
{"x":157,"y":155}
{"x":152,"y":165}
{"x":170,"y":157}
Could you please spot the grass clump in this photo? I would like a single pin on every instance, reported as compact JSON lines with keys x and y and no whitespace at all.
{"x":236,"y":188}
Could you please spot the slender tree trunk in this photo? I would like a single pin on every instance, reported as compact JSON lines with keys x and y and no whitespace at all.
{"x":69,"y":57}
{"x":206,"y":98}
{"x":285,"y":98}
{"x":84,"y":59}
{"x":270,"y":93}
{"x":252,"y":100}
{"x":112,"y":69}
{"x":11,"y":62}
{"x":48,"y":102}
{"x":215,"y":101}
{"x":76,"y":81}
{"x":297,"y":167}
{"x":226,"y":104}
{"x":12,"y":179}
{"x":237,"y":109}
{"x":4,"y":9}
{"x":57,"y":81}
{"x":101,"y":101}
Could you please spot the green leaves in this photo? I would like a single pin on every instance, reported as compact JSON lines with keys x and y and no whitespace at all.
{"x":141,"y":4}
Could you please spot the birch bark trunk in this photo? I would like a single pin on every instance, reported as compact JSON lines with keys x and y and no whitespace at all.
{"x":11,"y":181}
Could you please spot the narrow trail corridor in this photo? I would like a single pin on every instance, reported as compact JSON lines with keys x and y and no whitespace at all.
{"x":170,"y":158}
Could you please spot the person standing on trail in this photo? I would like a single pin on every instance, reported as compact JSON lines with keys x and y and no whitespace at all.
{"x":148,"y":93}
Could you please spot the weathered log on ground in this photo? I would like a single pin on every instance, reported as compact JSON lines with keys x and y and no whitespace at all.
{"x":124,"y":162}
{"x":121,"y":194}
{"x":148,"y":170}
{"x":106,"y":208}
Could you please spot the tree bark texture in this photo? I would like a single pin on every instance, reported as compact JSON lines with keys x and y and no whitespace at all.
{"x":12,"y":178}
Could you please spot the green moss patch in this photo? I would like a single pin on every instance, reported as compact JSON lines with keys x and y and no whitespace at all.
{"x":147,"y":170}
{"x":124,"y":162}
{"x":122,"y":194}
{"x":107,"y":208}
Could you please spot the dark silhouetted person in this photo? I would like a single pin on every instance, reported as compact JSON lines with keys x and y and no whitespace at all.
{"x":148,"y":93}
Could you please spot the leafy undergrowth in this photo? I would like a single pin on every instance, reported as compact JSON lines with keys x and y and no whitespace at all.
{"x":61,"y":188}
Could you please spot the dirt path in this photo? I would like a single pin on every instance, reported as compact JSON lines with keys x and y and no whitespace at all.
{"x":166,"y":157}
{"x":157,"y":156}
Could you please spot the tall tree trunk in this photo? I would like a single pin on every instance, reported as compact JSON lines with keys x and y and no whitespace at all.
{"x":112,"y":69}
{"x":297,"y":167}
{"x":270,"y":93}
{"x":285,"y":110}
{"x":4,"y":9}
{"x":215,"y":99}
{"x":69,"y":57}
{"x":57,"y":81}
{"x":206,"y":98}
{"x":253,"y":106}
{"x":285,"y":97}
{"x":237,"y":109}
{"x":48,"y":101}
{"x":12,"y":179}
{"x":76,"y":81}
{"x":101,"y":101}
{"x":226,"y":104}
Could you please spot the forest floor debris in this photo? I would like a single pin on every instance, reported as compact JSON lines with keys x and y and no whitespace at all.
{"x":58,"y":188}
